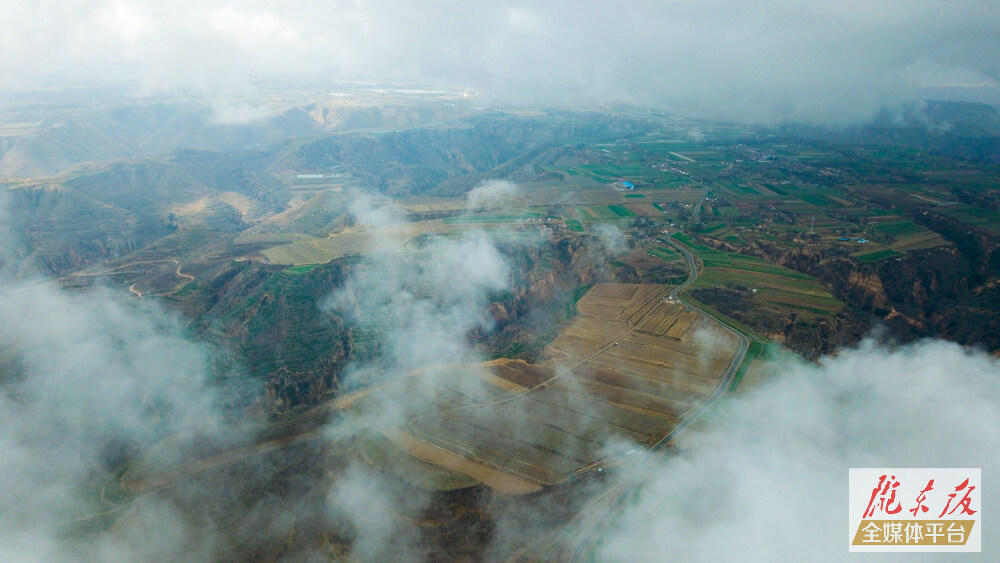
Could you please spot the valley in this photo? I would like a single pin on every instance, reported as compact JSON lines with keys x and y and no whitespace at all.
{"x":642,"y":267}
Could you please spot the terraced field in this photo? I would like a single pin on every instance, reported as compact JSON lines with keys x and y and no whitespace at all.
{"x":219,"y":209}
{"x":322,"y":250}
{"x":432,"y":204}
{"x":626,"y":371}
{"x":919,"y":241}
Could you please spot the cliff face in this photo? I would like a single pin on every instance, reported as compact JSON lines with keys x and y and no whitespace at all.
{"x":546,"y":283}
{"x":866,"y":290}
{"x":270,"y":320}
{"x":925,"y":293}
{"x":946,"y":291}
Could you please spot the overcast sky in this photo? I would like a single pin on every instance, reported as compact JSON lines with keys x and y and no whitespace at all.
{"x":767,"y":60}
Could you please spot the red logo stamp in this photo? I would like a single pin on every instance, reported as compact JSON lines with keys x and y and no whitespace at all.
{"x":915,"y":509}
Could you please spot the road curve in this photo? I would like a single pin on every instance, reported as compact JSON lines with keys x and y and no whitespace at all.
{"x":595,"y":532}
{"x":692,"y":265}
{"x":727,"y":379}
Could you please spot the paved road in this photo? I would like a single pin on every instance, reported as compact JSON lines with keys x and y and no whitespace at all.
{"x":689,"y":258}
{"x":595,"y":531}
{"x":727,"y":379}
{"x":132,"y":288}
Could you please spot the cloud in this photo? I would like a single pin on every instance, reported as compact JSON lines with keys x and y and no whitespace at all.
{"x":9,"y":251}
{"x":375,"y":211}
{"x":227,"y":113}
{"x":612,"y":237}
{"x":372,"y":507}
{"x":422,"y":304}
{"x":86,"y":376}
{"x":762,"y":62}
{"x":85,"y":379}
{"x":492,"y":193}
{"x":768,"y":480}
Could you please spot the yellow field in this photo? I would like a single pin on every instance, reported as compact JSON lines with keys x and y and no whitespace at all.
{"x":626,"y":371}
{"x":320,"y":251}
{"x":643,"y":209}
{"x":432,"y":204}
{"x":919,"y":241}
{"x":220,"y":207}
{"x":270,"y":238}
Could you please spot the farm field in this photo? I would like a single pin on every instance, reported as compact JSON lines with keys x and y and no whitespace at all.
{"x":876,"y":253}
{"x":380,"y":452}
{"x":248,"y":238}
{"x":629,"y":368}
{"x":322,"y":250}
{"x":775,"y":284}
{"x":975,"y":216}
{"x":432,"y":204}
{"x":919,"y":241}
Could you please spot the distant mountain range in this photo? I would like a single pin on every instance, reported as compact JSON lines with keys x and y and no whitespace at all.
{"x":34,"y":143}
{"x":960,"y":129}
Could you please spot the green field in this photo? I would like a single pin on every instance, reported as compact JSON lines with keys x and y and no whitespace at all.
{"x":270,"y":238}
{"x":775,"y":285}
{"x":299,"y":270}
{"x":919,"y":241}
{"x":723,"y":231}
{"x":491,"y":218}
{"x":621,"y":211}
{"x":601,"y":212}
{"x":877,"y":255}
{"x":975,"y":216}
{"x":898,"y":229}
{"x":666,"y":254}
{"x":735,"y":188}
{"x":753,"y":353}
{"x":815,"y":200}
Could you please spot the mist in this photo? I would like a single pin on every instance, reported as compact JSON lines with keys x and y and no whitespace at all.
{"x":90,"y":378}
{"x":776,"y":61}
{"x":422,"y":304}
{"x":88,"y":382}
{"x":491,"y":194}
{"x":8,"y":251}
{"x":612,"y":237}
{"x":767,"y":480}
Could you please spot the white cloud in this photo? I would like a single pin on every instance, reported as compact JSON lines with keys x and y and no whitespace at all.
{"x":524,"y":20}
{"x":763,"y":61}
{"x":82,"y":376}
{"x":492,"y":193}
{"x":228,"y":113}
{"x":768,"y":481}
{"x":126,"y":21}
{"x":612,"y":237}
{"x":423,"y":306}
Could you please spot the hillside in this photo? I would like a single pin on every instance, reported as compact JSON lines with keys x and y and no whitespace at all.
{"x":46,"y":141}
{"x":958,"y":129}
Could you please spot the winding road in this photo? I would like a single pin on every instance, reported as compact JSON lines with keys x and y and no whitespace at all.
{"x":587,"y":533}
{"x":132,"y":288}
{"x":578,"y":538}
